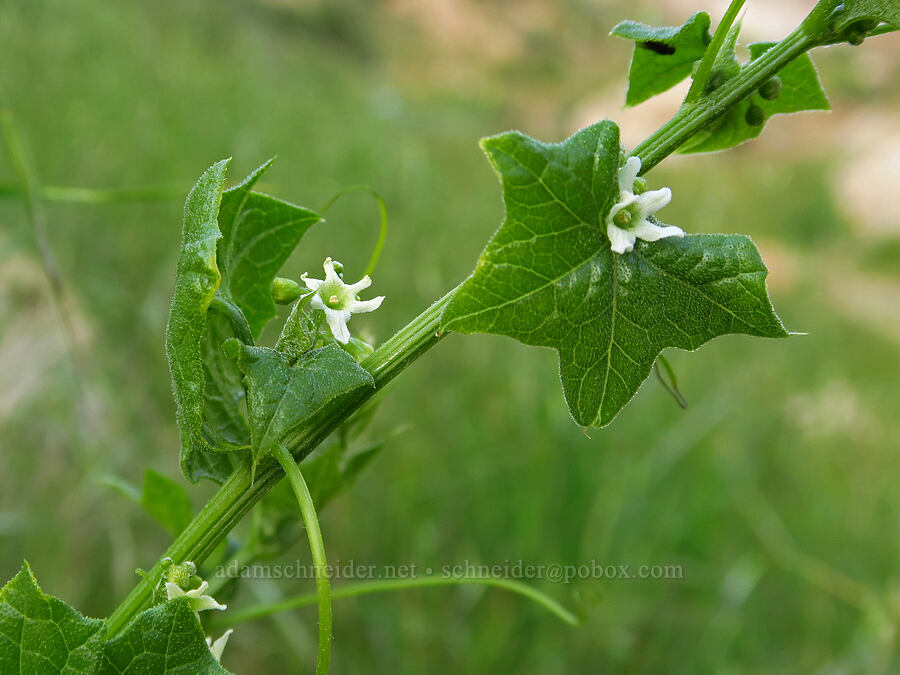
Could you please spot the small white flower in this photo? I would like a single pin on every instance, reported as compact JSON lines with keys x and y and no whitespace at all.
{"x":198,"y":600}
{"x":628,"y":219}
{"x":338,"y":300}
{"x":218,"y":646}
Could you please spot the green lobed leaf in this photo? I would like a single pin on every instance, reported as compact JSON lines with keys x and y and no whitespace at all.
{"x":284,"y":392}
{"x":163,"y":639}
{"x":880,"y":10}
{"x":801,"y":90}
{"x":234,"y":243}
{"x":42,"y":634}
{"x":259,"y":233}
{"x":663,"y":56}
{"x":166,"y":501}
{"x":548,"y":276}
{"x":196,"y":280}
{"x":300,"y":331}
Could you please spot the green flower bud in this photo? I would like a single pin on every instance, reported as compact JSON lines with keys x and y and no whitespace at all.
{"x":623,"y":219}
{"x":755,"y":116}
{"x":181,"y":574}
{"x":284,"y":291}
{"x":640,"y":186}
{"x":856,"y":37}
{"x":857,"y":31}
{"x":771,"y":88}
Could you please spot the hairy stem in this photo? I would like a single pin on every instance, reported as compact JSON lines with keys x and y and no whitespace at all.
{"x":701,"y":77}
{"x":691,"y":118}
{"x":239,"y":493}
{"x":316,"y":548}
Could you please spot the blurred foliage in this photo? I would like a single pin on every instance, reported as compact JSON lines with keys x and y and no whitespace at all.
{"x":776,"y":488}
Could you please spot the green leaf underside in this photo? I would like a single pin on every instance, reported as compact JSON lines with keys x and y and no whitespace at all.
{"x":164,"y":639}
{"x":882,"y":10}
{"x":42,"y":634}
{"x":282,"y":395}
{"x":300,"y":330}
{"x":166,"y":501}
{"x":548,"y":276}
{"x":801,"y":91}
{"x":196,"y":280}
{"x":259,"y":233}
{"x":664,"y":56}
{"x":224,"y":423}
{"x":234,"y":243}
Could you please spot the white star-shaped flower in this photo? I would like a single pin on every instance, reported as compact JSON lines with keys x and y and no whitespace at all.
{"x":196,"y":597}
{"x":218,"y":646}
{"x":628,"y":219}
{"x":338,"y":300}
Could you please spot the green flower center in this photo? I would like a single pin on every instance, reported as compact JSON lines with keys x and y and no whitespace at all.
{"x":333,"y":296}
{"x":627,"y":217}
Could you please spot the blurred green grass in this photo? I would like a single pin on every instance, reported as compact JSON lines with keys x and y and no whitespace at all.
{"x":395,"y":95}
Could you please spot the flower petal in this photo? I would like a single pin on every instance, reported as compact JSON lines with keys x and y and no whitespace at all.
{"x":363,"y":306}
{"x":173,"y":591}
{"x":204,"y":602}
{"x":653,"y":201}
{"x":651,"y":232}
{"x":620,"y":241}
{"x":311,"y":284}
{"x":628,"y":174}
{"x":337,"y":321}
{"x":331,"y":276}
{"x":360,"y":285}
{"x":218,"y":646}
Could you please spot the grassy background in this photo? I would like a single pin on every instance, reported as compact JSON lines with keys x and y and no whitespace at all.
{"x":776,"y":490}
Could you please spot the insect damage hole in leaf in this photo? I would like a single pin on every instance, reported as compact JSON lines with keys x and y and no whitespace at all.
{"x":663,"y":56}
{"x":799,"y":90}
{"x":548,"y":276}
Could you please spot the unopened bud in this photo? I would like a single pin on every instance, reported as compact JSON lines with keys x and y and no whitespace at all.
{"x":181,"y":574}
{"x":285,"y":291}
{"x":755,"y":116}
{"x":771,"y":88}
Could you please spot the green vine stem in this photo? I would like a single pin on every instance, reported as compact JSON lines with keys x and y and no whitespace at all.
{"x":316,"y":548}
{"x":701,"y":77}
{"x":68,"y":194}
{"x":691,"y":118}
{"x":385,"y":585}
{"x":238,"y":494}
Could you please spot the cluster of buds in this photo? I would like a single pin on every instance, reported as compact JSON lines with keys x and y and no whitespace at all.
{"x":181,"y":581}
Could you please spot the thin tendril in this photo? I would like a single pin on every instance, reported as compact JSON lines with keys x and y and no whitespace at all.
{"x":317,"y":549}
{"x":382,"y":213}
{"x":384,"y":585}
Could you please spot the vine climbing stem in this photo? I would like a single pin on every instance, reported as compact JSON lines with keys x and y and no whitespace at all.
{"x":240,"y":492}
